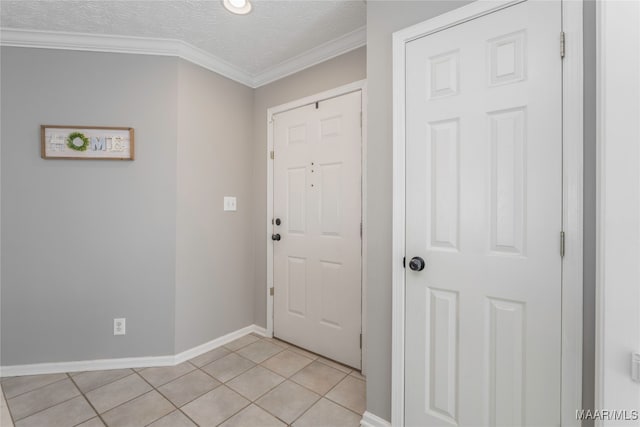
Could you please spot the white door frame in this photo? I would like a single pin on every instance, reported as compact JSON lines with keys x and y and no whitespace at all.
{"x":571,"y":394}
{"x":618,"y":206}
{"x":360,"y":85}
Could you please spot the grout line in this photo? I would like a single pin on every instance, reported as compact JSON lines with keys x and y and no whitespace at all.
{"x":338,"y":403}
{"x":48,"y":407}
{"x":187,"y":416}
{"x":306,"y":410}
{"x":37,"y":388}
{"x":100,"y":386}
{"x":239,"y":355}
{"x":164,"y":415}
{"x":87,"y":400}
{"x":127,"y":401}
{"x":238,"y":411}
{"x":172,"y":380}
{"x":6,"y":403}
{"x":278,"y":373}
{"x":195,"y":398}
{"x":304,"y":386}
{"x":275,"y":416}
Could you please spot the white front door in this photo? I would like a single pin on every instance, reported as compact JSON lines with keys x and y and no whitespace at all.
{"x":484,"y":211}
{"x":317,"y":214}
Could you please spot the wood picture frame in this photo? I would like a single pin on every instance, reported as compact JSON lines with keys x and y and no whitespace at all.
{"x":87,"y":142}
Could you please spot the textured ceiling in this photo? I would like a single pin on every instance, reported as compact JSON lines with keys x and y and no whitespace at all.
{"x":272,"y":33}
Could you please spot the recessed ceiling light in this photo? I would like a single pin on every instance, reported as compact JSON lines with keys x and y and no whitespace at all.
{"x":239,"y":7}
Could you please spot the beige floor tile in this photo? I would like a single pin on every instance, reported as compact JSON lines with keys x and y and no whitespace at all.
{"x":17,"y":385}
{"x":188,"y":387}
{"x":287,"y":401}
{"x":113,"y":394}
{"x":210,"y":356}
{"x":174,"y":419}
{"x":5,"y":416}
{"x":215,"y":406}
{"x":255,"y":382}
{"x":276,"y":342}
{"x":140,"y":411}
{"x":327,"y":414}
{"x":45,"y":397}
{"x":164,"y":374}
{"x":286,"y":363}
{"x":93,"y":422}
{"x":335,"y":365}
{"x":241,"y":342}
{"x":228,"y":367}
{"x":303,"y":352}
{"x":87,"y":381}
{"x":69,"y":413}
{"x":253,"y":416}
{"x":350,"y":393}
{"x":318,"y":377}
{"x":260,"y":351}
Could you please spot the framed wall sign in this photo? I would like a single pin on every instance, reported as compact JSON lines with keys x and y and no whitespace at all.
{"x":86,"y":142}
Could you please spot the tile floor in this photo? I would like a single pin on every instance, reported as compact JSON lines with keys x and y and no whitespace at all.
{"x":252,"y":382}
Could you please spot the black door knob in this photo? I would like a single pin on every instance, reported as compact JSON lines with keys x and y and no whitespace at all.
{"x":278,"y":222}
{"x":416,"y":263}
{"x":275,"y":237}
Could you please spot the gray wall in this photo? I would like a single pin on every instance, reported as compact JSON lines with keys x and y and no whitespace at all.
{"x":383,"y":18}
{"x":150,"y":236}
{"x":214,"y":274}
{"x":86,"y":241}
{"x":336,"y":72}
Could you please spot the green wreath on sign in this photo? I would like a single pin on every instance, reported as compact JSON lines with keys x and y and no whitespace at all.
{"x":77,"y":135}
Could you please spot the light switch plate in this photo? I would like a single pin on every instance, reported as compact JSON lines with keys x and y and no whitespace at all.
{"x":230,"y":203}
{"x":635,"y":367}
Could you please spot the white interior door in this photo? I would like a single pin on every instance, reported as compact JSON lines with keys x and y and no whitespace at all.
{"x":483,"y":209}
{"x":317,"y":202}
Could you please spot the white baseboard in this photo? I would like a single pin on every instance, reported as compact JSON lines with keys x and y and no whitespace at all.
{"x":208,"y":346}
{"x":127,"y":362}
{"x":370,"y":420}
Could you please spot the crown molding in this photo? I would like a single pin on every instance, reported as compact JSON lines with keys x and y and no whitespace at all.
{"x":324,"y":52}
{"x":121,"y":44}
{"x":177,"y":48}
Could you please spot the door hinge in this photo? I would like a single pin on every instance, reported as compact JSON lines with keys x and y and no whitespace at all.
{"x":272,"y":154}
{"x":360,"y":340}
{"x":271,"y":290}
{"x":404,"y":261}
{"x":562,"y":44}
{"x":562,"y":243}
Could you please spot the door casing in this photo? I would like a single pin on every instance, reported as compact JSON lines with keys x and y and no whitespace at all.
{"x":360,"y":85}
{"x":572,"y":194}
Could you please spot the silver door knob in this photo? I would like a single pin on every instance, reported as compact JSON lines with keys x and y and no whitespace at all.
{"x":416,"y":263}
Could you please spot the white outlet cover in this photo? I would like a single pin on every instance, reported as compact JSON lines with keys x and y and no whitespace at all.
{"x":120,"y":326}
{"x":230,"y":203}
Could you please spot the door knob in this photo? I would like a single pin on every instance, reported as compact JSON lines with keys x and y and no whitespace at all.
{"x":416,"y":263}
{"x":278,"y":222}
{"x":275,"y":237}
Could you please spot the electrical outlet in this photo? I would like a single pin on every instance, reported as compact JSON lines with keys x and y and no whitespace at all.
{"x":120,"y":326}
{"x":230,"y":203}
